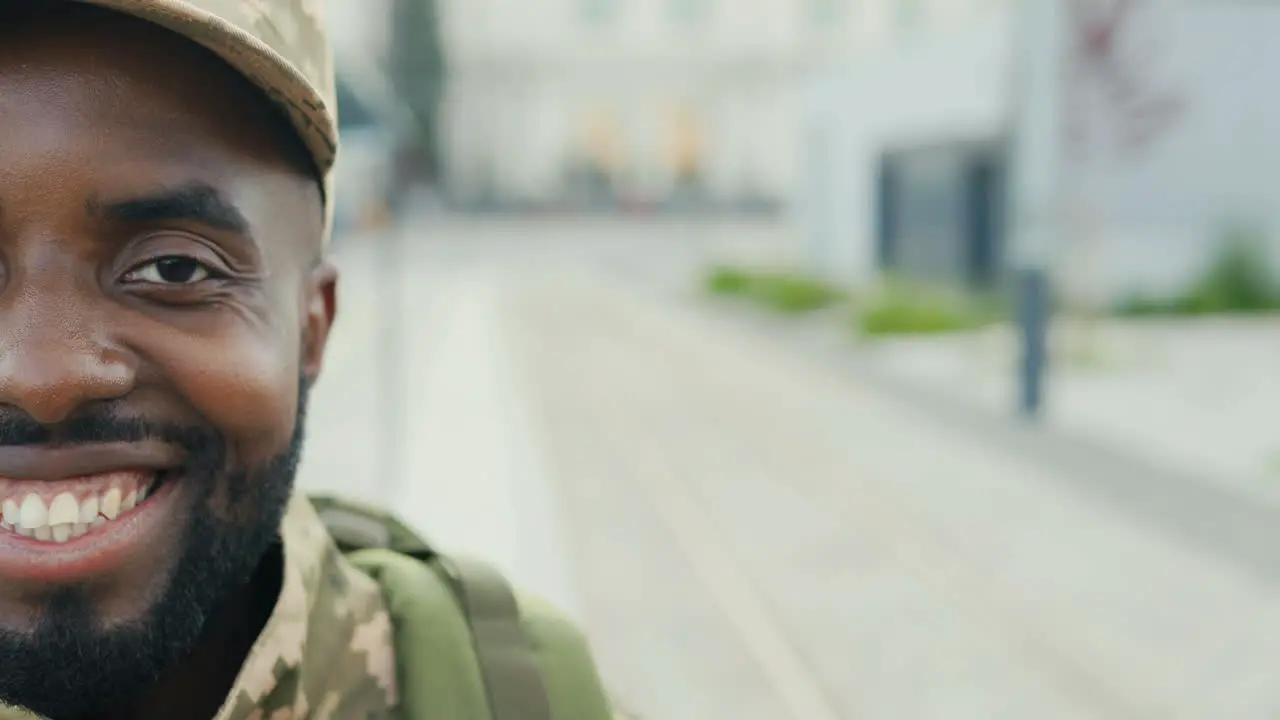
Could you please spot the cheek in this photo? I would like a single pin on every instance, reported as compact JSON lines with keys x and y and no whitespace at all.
{"x":241,"y":377}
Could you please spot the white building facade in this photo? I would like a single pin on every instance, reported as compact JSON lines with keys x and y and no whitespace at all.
{"x":642,"y":100}
{"x":1140,"y":216}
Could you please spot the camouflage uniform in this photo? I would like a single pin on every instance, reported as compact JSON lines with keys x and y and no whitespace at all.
{"x":326,"y":652}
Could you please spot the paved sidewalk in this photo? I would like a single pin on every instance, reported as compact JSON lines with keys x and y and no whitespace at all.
{"x":911,"y":572}
{"x":1188,"y":395}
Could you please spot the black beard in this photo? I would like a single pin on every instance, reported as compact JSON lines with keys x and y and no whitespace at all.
{"x":69,"y":667}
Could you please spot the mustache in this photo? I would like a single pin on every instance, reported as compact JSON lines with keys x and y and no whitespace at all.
{"x":102,"y":426}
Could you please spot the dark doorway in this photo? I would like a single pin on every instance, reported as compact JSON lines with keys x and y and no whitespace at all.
{"x":939,"y":215}
{"x":886,"y":227}
{"x":984,"y":207}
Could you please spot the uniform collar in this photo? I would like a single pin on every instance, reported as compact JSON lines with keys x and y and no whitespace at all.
{"x":327,"y":644}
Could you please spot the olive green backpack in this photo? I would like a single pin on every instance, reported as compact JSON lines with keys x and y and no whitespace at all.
{"x":466,"y":647}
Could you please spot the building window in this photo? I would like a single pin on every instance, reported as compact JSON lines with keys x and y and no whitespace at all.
{"x":689,"y":12}
{"x":825,"y":12}
{"x":601,"y":12}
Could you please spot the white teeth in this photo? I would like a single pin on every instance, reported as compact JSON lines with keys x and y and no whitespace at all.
{"x":64,"y":510}
{"x":63,"y":533}
{"x":32,"y":514}
{"x":111,"y":503}
{"x":89,"y":509}
{"x":68,"y":515}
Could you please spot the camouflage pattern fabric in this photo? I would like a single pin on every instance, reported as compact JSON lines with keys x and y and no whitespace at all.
{"x":326,"y":652}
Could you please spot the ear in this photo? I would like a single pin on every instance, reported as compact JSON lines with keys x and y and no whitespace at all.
{"x":321,"y":309}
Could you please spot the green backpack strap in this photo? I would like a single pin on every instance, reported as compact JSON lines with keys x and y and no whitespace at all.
{"x":512,"y":672}
{"x":509,"y":669}
{"x":357,"y":526}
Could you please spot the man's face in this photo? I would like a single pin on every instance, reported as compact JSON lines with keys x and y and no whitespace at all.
{"x":161,"y":313}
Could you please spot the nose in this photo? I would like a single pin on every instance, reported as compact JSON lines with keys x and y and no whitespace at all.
{"x":55,"y":358}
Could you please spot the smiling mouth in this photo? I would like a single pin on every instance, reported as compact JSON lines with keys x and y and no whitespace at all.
{"x":62,"y":510}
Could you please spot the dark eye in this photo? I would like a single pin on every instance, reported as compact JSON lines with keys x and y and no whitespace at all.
{"x":170,"y":270}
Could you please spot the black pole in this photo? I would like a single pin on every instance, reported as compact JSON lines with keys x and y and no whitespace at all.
{"x":1037,"y":187}
{"x":1034,"y":312}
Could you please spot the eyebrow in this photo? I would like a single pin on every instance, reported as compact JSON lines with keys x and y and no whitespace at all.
{"x":196,"y":203}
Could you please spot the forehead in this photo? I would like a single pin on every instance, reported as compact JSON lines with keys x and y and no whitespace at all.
{"x":95,"y":104}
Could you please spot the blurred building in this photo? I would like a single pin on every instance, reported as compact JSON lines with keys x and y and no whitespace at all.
{"x":640,"y":102}
{"x":390,"y":72}
{"x":360,"y":33}
{"x":1169,"y":142}
{"x":362,"y":174}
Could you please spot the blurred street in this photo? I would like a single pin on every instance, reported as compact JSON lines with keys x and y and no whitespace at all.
{"x":748,"y":532}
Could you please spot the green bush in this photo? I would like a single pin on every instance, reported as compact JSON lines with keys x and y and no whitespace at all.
{"x":794,"y":294}
{"x":904,"y":310}
{"x":1239,"y":279}
{"x":728,"y":281}
{"x":784,"y":292}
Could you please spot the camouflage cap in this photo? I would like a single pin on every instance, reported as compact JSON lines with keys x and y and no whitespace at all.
{"x":281,"y":46}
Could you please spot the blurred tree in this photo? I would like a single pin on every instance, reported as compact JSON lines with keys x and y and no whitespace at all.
{"x":417,"y":73}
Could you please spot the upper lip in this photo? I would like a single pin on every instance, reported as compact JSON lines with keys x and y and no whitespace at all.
{"x":45,"y":462}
